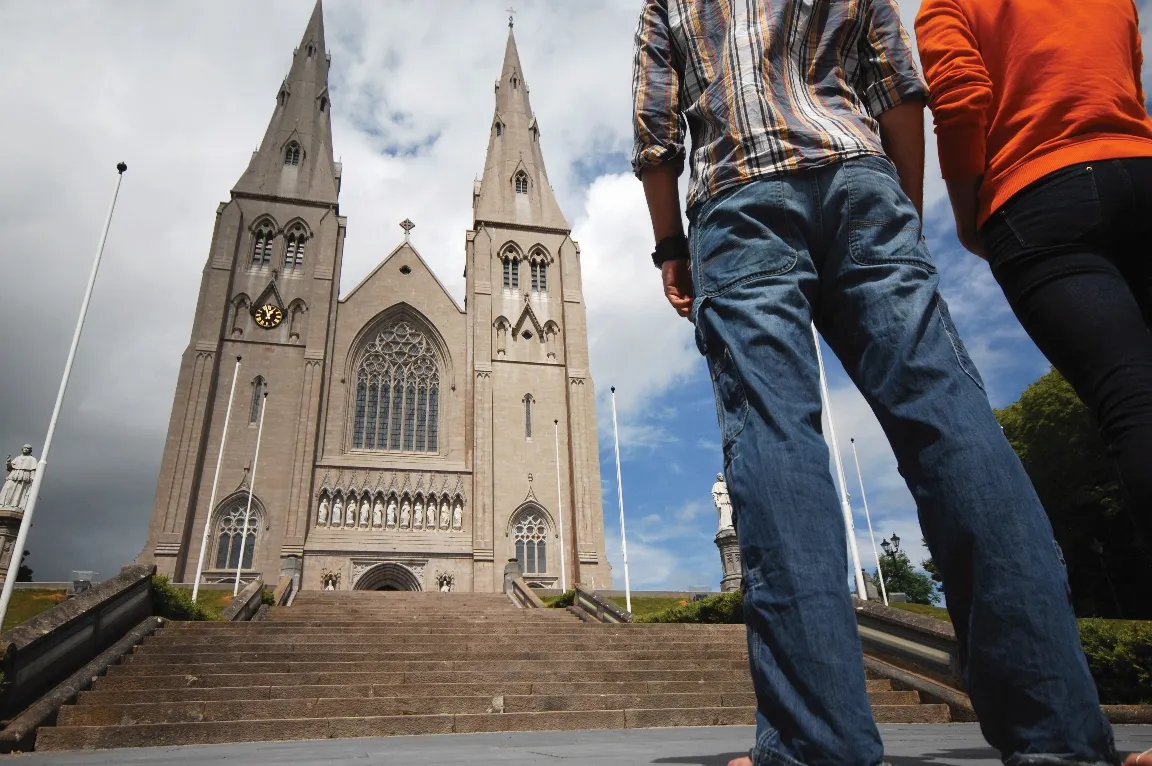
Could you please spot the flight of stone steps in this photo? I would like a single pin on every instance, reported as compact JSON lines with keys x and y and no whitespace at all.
{"x":369,"y":664}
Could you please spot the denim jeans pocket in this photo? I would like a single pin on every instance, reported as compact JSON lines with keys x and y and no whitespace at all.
{"x":740,"y":234}
{"x":1060,"y":208}
{"x":883,"y":226}
{"x":962,"y":357}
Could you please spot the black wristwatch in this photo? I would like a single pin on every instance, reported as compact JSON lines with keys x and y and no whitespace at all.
{"x":670,"y":249}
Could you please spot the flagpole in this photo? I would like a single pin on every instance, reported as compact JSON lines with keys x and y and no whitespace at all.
{"x":42,"y":465}
{"x":868,"y":516}
{"x":559,"y":510}
{"x":620,"y":497}
{"x":849,"y":527}
{"x":215,"y":484}
{"x":251,"y":486}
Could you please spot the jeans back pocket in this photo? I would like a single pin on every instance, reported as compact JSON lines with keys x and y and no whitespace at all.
{"x":1060,"y":208}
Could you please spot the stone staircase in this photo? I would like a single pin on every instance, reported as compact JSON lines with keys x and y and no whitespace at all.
{"x":370,"y":664}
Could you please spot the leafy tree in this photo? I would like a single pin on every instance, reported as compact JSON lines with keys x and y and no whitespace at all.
{"x":1059,"y":443}
{"x":929,"y":565}
{"x":24,"y":572}
{"x":900,"y":577}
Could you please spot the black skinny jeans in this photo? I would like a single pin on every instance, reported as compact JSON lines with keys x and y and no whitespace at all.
{"x":1073,"y":254}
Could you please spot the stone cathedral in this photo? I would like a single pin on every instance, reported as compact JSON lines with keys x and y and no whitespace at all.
{"x":405,"y":443}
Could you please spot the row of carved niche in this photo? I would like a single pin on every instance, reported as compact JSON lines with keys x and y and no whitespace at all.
{"x":380,"y":510}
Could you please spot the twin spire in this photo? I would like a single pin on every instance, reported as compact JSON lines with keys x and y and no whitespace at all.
{"x":295,"y":158}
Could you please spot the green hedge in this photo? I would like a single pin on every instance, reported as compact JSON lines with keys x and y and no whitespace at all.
{"x":563,"y":601}
{"x":725,"y":608}
{"x":176,"y":603}
{"x":1120,"y":658}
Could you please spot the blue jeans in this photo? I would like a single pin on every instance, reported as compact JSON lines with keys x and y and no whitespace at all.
{"x":841,"y":246}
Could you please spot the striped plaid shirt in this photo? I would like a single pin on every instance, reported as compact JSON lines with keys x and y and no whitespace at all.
{"x":766,"y":86}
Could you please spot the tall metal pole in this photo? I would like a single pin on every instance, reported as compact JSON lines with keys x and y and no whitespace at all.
{"x":38,"y":479}
{"x":559,"y":509}
{"x":251,"y":486}
{"x":215,"y":484}
{"x":868,"y":516}
{"x":620,"y":496}
{"x":849,"y":527}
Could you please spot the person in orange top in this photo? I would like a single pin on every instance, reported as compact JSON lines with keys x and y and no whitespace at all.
{"x":1046,"y":147}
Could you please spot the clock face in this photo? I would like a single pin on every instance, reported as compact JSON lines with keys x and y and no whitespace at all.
{"x":268,"y":316}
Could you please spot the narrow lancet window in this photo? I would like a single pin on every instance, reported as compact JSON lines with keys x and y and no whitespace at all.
{"x":292,"y":154}
{"x":527,"y":416}
{"x":262,"y":246}
{"x":521,"y":182}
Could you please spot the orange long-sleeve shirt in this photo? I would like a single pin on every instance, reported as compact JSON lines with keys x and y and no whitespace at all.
{"x":1021,"y":88}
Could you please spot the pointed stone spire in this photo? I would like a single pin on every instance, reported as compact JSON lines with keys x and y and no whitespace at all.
{"x":295,"y":158}
{"x":515,"y":188}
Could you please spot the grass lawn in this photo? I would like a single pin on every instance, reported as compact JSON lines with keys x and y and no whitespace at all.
{"x":936,"y":612}
{"x":642,"y":605}
{"x":26,"y":604}
{"x":214,"y":601}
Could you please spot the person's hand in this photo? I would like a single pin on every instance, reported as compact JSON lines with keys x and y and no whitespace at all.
{"x":677,"y":276}
{"x":972,"y":243}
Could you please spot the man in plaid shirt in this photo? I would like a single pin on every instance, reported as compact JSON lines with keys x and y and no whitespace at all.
{"x":804,"y":206}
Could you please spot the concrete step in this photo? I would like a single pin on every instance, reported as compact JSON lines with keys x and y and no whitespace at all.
{"x":439,"y":656}
{"x":333,"y":678}
{"x":488,"y":689}
{"x":459,"y":645}
{"x":321,"y":628}
{"x":545,"y":666}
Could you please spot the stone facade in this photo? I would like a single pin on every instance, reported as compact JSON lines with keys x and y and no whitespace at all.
{"x":407,"y":442}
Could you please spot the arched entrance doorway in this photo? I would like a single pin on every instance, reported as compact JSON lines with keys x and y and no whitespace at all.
{"x":388,"y":576}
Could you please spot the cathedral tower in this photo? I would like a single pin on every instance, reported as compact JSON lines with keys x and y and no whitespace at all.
{"x":267,"y":294}
{"x":536,"y":466}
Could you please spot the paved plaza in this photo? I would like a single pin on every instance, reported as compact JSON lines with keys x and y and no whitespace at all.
{"x":906,"y":745}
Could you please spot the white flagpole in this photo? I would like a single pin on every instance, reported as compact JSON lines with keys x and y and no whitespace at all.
{"x":620,"y":496}
{"x":868,"y":516}
{"x":849,"y":527}
{"x":251,"y":486}
{"x":559,"y":510}
{"x":42,"y":465}
{"x":215,"y":484}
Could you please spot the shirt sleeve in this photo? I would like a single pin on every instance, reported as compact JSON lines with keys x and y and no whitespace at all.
{"x":658,"y":125}
{"x":960,"y":85}
{"x":888,"y":66}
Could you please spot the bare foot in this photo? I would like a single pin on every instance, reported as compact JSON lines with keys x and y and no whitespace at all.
{"x":746,"y":761}
{"x":1134,"y":759}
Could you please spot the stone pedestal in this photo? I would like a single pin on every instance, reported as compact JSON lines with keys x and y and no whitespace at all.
{"x":729,"y":559}
{"x":9,"y":528}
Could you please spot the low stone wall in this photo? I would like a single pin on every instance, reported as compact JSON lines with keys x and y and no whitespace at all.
{"x":592,"y":606}
{"x":48,"y":648}
{"x":911,"y":641}
{"x":246,"y":603}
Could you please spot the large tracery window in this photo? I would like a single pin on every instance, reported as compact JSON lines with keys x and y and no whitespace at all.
{"x":531,"y":533}
{"x":229,"y":536}
{"x":397,"y":392}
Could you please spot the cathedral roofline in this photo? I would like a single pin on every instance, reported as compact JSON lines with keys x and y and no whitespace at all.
{"x":389,"y":257}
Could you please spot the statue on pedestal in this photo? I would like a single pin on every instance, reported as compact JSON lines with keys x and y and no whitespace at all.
{"x":18,"y":485}
{"x":722,"y":503}
{"x":378,"y":513}
{"x":322,"y":516}
{"x":391,"y":517}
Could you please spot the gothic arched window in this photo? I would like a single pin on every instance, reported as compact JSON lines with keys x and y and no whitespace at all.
{"x":499,"y":129}
{"x":511,"y":270}
{"x":397,"y":392}
{"x":531,"y":533}
{"x":258,"y":388}
{"x":230,"y":534}
{"x":262,"y":245}
{"x":294,"y":252}
{"x":292,"y":154}
{"x":521,"y":182}
{"x":539,"y":277}
{"x":528,"y":401}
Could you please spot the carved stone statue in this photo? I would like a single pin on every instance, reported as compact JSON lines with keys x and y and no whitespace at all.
{"x":418,"y":514}
{"x":350,"y":513}
{"x":391,"y":517}
{"x":457,"y":515}
{"x":721,"y":501}
{"x":431,"y":514}
{"x":18,"y":485}
{"x":405,"y":514}
{"x":378,"y":513}
{"x":445,"y":514}
{"x":322,"y":516}
{"x":337,"y":510}
{"x":365,"y":512}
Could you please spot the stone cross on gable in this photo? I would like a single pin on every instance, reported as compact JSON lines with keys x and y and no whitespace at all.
{"x":407,"y":226}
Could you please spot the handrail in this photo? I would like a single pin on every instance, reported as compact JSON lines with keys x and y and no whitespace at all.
{"x":599,"y":608}
{"x":923,"y":645}
{"x":283,"y":590}
{"x":524,"y":596}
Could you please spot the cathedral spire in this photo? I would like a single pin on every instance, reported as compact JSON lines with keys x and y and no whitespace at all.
{"x":295,"y":158}
{"x":515,"y":189}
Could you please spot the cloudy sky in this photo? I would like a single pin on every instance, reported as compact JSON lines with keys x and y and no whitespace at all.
{"x":182,"y":92}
